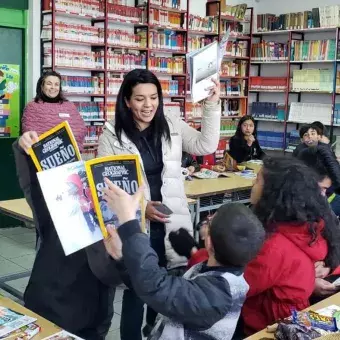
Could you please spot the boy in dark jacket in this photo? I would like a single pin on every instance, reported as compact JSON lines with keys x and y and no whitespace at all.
{"x":206,"y":302}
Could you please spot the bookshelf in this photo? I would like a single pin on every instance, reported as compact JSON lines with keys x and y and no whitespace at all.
{"x":305,"y":60}
{"x":94,"y":43}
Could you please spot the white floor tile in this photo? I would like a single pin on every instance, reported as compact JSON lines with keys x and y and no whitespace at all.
{"x":11,"y":249}
{"x":113,"y":335}
{"x":115,"y":323}
{"x":118,"y":307}
{"x":119,"y":294}
{"x":28,"y":237}
{"x":24,"y":261}
{"x":19,"y":284}
{"x":7,"y":267}
{"x":13,"y":231}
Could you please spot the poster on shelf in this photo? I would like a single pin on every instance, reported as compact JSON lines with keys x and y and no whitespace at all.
{"x":9,"y":101}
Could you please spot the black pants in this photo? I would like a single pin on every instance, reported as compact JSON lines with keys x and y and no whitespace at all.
{"x":131,"y":320}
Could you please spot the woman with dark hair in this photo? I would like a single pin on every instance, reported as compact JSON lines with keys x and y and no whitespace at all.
{"x":75,"y":292}
{"x":302,"y":233}
{"x":140,"y":127}
{"x":48,"y":109}
{"x":244,"y":146}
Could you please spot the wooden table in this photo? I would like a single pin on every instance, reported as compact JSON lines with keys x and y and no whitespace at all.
{"x":47,"y":327}
{"x":333,"y":300}
{"x":18,"y":209}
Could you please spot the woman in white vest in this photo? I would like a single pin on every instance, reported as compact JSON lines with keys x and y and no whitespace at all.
{"x":140,"y":127}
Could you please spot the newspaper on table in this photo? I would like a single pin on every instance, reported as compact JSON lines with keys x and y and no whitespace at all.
{"x":204,"y":65}
{"x":63,"y":335}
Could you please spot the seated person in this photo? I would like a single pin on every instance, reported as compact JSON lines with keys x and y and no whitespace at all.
{"x":207,"y":301}
{"x":310,"y":135}
{"x":189,"y":163}
{"x":301,"y":251}
{"x":323,"y":137}
{"x":323,"y":161}
{"x":244,"y":146}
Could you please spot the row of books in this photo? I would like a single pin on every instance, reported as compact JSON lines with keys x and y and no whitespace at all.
{"x":312,"y":80}
{"x":167,"y":64}
{"x":89,"y":153}
{"x":72,"y":58}
{"x":110,"y":110}
{"x":232,"y":108}
{"x":167,"y":39}
{"x":193,"y":110}
{"x":326,"y":16}
{"x":238,"y":11}
{"x":204,"y":24}
{"x":166,"y":18}
{"x":237,"y":49}
{"x":125,"y":13}
{"x":228,"y":128}
{"x":336,"y":115}
{"x":313,"y":50}
{"x":92,"y":8}
{"x":92,"y":134}
{"x":165,"y":3}
{"x":195,"y":43}
{"x":268,"y":83}
{"x":271,"y":139}
{"x":116,"y":60}
{"x":126,"y":38}
{"x":236,"y":28}
{"x":310,"y":112}
{"x":269,"y":50}
{"x":90,"y":110}
{"x":232,"y":87}
{"x":267,"y":110}
{"x":78,"y":84}
{"x":73,"y":32}
{"x":172,"y":87}
{"x":234,"y":68}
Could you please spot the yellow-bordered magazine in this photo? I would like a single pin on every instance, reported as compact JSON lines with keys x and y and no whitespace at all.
{"x":124,"y":171}
{"x":55,"y":147}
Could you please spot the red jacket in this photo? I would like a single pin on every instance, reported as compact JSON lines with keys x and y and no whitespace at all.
{"x":282,"y":276}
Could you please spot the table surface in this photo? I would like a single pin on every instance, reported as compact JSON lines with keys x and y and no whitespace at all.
{"x":47,"y":327}
{"x":333,"y":300}
{"x":17,"y":207}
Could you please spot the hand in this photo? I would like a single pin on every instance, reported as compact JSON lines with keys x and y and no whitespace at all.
{"x":27,"y":140}
{"x":152,"y":214}
{"x":214,"y":93}
{"x":182,"y":242}
{"x":321,"y":271}
{"x":113,"y":243}
{"x":250,"y":140}
{"x":119,"y":201}
{"x":191,"y":170}
{"x":323,"y":287}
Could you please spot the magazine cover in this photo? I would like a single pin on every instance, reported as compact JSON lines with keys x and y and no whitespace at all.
{"x":55,"y":147}
{"x":63,"y":335}
{"x":10,"y":321}
{"x":125,"y":172}
{"x":23,"y":333}
{"x":69,"y":201}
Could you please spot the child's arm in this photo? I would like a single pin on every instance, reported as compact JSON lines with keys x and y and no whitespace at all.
{"x":198,"y":303}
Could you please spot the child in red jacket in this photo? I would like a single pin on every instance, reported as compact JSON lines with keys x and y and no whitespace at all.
{"x":302,"y":248}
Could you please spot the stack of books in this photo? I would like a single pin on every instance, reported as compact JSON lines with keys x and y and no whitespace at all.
{"x":313,"y":50}
{"x":266,"y":110}
{"x":312,"y":80}
{"x":310,"y":112}
{"x":271,"y":139}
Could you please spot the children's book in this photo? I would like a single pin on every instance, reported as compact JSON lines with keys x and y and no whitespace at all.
{"x":63,"y":335}
{"x":10,"y":321}
{"x":69,"y":201}
{"x":55,"y":147}
{"x":23,"y":333}
{"x":125,"y":172}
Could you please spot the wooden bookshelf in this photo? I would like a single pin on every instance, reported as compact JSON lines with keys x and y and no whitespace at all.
{"x":289,"y":65}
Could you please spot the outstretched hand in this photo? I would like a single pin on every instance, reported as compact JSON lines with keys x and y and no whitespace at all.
{"x":215,"y":92}
{"x":27,"y":140}
{"x":124,"y":205}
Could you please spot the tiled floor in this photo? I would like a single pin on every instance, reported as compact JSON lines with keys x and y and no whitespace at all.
{"x":17,"y":255}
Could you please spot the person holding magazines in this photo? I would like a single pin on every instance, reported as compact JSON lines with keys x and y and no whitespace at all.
{"x":75,"y":292}
{"x":140,"y":127}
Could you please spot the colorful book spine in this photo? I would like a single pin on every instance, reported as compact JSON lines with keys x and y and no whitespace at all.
{"x":232,"y":87}
{"x":207,"y":24}
{"x":166,"y":18}
{"x":268,"y":111}
{"x":92,"y":134}
{"x":269,"y":51}
{"x":237,"y":49}
{"x":313,"y":50}
{"x":234,"y":68}
{"x":195,"y":43}
{"x":126,"y":38}
{"x":119,"y":60}
{"x":78,"y":84}
{"x":167,"y":39}
{"x":268,"y":83}
{"x":123,"y":13}
{"x":167,"y":64}
{"x":90,"y":110}
{"x":312,"y":80}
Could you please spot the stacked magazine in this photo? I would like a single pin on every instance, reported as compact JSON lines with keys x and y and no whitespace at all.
{"x":72,"y":188}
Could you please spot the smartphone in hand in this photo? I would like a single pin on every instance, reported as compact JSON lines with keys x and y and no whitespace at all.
{"x":162,"y":208}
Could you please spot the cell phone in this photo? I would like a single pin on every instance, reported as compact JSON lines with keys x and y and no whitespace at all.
{"x":162,"y":208}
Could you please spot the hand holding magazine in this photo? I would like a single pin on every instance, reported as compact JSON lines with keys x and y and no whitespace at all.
{"x":204,"y":65}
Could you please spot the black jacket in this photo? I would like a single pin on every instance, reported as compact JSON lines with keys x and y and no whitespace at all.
{"x":197,"y":304}
{"x":242,"y":152}
{"x":188,"y":160}
{"x":63,"y":289}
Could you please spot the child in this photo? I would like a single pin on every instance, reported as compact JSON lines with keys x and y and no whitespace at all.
{"x":190,"y":163}
{"x":243,"y":145}
{"x":323,"y":138}
{"x":207,"y":301}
